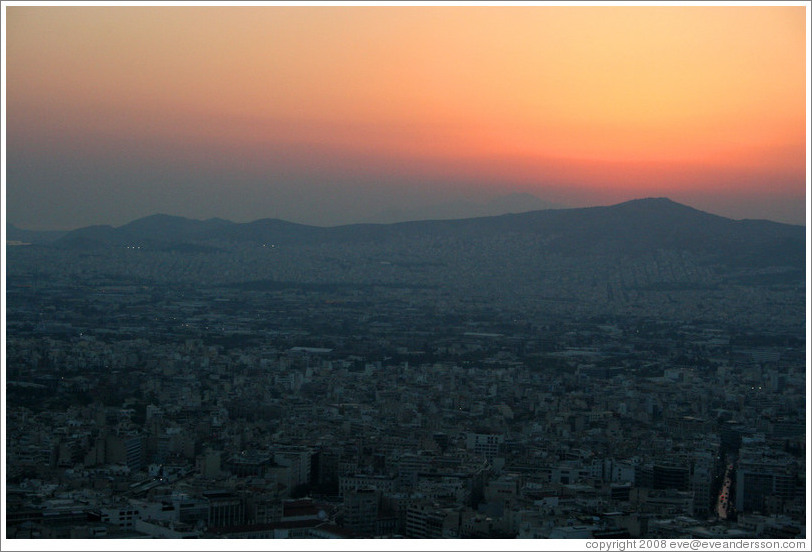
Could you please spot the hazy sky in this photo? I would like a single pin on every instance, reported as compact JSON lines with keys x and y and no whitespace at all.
{"x":325,"y":115}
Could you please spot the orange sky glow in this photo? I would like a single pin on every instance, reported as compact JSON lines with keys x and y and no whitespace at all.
{"x":606,"y":102}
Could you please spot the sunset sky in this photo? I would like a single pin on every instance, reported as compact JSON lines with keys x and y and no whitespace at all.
{"x":329,"y":115}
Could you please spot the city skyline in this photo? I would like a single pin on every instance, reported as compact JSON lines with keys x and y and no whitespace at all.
{"x":337,"y":115}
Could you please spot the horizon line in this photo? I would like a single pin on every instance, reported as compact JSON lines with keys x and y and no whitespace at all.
{"x":362,"y":223}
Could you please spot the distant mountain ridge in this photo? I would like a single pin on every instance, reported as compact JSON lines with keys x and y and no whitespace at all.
{"x":510,"y":203}
{"x":632,"y":227}
{"x":15,"y":234}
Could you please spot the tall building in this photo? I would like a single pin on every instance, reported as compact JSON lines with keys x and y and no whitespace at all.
{"x":361,"y":510}
{"x":125,"y":448}
{"x":702,"y":483}
{"x":225,"y":508}
{"x":763,"y":474}
{"x":485,"y":444}
{"x":670,"y":476}
{"x":208,"y":463}
{"x":424,"y":521}
{"x":298,"y":459}
{"x":134,"y":445}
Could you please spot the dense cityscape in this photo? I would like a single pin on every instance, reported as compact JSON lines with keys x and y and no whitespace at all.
{"x":290,"y":275}
{"x":410,"y":389}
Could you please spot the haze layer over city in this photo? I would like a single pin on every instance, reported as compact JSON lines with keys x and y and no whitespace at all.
{"x":386,"y":272}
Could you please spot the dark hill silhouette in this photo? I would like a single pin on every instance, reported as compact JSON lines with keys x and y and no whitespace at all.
{"x":172,"y":228}
{"x":32,"y":236}
{"x":631,"y":228}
